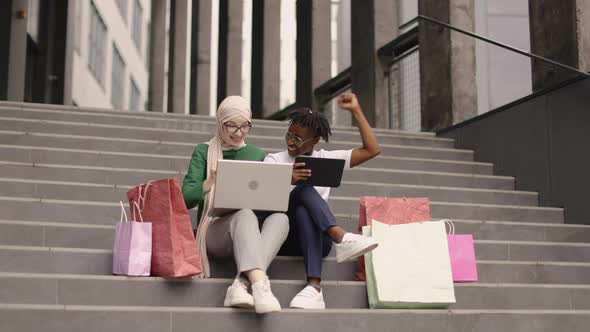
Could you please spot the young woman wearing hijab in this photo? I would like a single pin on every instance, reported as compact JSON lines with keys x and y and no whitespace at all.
{"x":237,"y":234}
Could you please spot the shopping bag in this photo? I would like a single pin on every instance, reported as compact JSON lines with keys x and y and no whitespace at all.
{"x":370,"y":274}
{"x":174,"y":250}
{"x":132,"y":249}
{"x":391,"y":211}
{"x":411,"y":267}
{"x":462,"y":253}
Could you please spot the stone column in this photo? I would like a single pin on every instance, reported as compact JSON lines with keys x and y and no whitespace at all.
{"x":201,"y":57}
{"x":17,"y":52}
{"x":447,"y":64}
{"x":560,"y":31}
{"x":313,"y":49}
{"x":157,"y":77}
{"x":178,"y":74}
{"x":69,"y":52}
{"x":583,"y":33}
{"x":230,"y":48}
{"x":266,"y":57}
{"x":373,"y":24}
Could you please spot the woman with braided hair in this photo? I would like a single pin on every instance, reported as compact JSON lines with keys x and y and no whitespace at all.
{"x":312,"y":226}
{"x":237,"y":234}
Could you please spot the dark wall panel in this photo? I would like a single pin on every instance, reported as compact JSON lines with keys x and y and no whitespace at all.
{"x":570,"y":150}
{"x":544,"y":141}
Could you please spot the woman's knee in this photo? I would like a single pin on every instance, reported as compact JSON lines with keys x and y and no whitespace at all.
{"x":244,"y":218}
{"x":304,"y":191}
{"x":281,"y":220}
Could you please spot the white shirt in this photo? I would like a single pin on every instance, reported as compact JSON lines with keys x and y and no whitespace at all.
{"x":284,"y":157}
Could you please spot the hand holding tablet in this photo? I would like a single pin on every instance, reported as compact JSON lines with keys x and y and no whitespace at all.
{"x":325,"y":172}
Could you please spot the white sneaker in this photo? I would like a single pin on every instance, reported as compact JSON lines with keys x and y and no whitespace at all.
{"x":353,"y":246}
{"x":264,"y":300}
{"x":237,"y":295}
{"x":308,"y":298}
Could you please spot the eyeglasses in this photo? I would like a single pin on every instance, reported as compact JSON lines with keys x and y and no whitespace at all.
{"x":232,"y":128}
{"x":296,"y":139}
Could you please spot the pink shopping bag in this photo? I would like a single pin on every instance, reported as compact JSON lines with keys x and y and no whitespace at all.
{"x":132,"y":250}
{"x":462,"y":253}
{"x":391,"y":211}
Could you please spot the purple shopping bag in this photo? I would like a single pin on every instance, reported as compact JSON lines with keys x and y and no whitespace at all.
{"x":462,"y":253}
{"x":132,"y":250}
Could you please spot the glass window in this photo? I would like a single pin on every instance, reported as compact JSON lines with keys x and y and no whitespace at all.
{"x":122,"y":5}
{"x":117,"y":76}
{"x":137,"y":24}
{"x":134,"y":96}
{"x":97,"y":45}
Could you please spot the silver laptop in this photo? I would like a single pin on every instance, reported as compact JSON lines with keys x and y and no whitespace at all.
{"x":251,"y":185}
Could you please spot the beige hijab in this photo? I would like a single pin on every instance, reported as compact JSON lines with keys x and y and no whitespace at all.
{"x":231,"y":108}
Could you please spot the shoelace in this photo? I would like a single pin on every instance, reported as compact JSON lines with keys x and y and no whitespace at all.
{"x":309,"y":292}
{"x":351,"y":239}
{"x":266,"y":285}
{"x":242,"y":284}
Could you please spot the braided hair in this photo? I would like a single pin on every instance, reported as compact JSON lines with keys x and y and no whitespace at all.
{"x":315,"y":121}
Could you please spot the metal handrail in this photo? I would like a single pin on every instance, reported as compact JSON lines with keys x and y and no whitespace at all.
{"x":332,"y":87}
{"x":401,"y":44}
{"x":404,"y":45}
{"x":493,"y":42}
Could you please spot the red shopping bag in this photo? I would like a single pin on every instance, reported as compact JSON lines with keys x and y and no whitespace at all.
{"x":174,"y":249}
{"x":462,"y":254}
{"x":392,"y":211}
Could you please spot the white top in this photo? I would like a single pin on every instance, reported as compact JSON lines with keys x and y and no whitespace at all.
{"x":284,"y":157}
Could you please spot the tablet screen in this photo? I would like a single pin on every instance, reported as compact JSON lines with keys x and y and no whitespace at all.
{"x":325,"y":172}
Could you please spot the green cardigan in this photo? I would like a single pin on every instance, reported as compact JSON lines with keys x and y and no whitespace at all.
{"x":192,"y":186}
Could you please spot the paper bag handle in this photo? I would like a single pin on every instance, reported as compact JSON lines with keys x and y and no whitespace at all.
{"x":123,"y":213}
{"x":451,"y":226}
{"x":138,"y":212}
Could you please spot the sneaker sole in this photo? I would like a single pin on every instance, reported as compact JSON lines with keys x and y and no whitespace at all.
{"x":266,"y":309}
{"x":238,"y":304}
{"x":356,"y":255}
{"x":304,"y":308}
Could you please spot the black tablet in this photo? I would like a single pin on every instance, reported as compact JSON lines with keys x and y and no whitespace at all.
{"x":324,"y":172}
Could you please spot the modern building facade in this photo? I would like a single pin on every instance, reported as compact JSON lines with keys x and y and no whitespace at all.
{"x":184,"y":56}
{"x":110,"y":53}
{"x":86,"y":53}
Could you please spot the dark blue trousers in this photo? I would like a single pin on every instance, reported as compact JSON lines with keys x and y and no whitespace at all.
{"x":309,"y":219}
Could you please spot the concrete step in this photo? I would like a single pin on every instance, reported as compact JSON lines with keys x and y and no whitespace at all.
{"x":281,"y":268}
{"x":450,"y":194}
{"x":502,"y":229}
{"x":60,"y":318}
{"x":134,"y":176}
{"x":157,"y":146}
{"x":124,"y":291}
{"x":13,"y":122}
{"x":159,"y":120}
{"x":80,"y":235}
{"x":452,"y":210}
{"x":36,"y":259}
{"x":50,"y":155}
{"x":494,"y":271}
{"x":106,"y":193}
{"x":108,"y":209}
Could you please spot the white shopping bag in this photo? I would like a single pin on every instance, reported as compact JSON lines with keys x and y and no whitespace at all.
{"x":411,"y":267}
